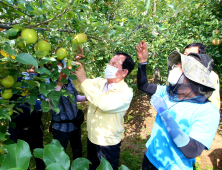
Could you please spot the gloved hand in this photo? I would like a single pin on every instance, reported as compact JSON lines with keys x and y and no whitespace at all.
{"x":158,"y":103}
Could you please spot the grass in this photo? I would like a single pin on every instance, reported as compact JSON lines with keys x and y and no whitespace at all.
{"x":131,"y":160}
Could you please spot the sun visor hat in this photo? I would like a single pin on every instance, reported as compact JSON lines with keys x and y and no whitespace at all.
{"x":196,"y":67}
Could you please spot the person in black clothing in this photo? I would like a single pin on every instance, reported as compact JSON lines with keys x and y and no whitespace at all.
{"x":64,"y":128}
{"x":28,"y":126}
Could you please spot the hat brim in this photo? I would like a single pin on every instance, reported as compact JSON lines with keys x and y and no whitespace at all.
{"x":192,"y":69}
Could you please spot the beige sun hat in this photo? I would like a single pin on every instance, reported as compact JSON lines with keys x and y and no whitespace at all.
{"x":196,"y":67}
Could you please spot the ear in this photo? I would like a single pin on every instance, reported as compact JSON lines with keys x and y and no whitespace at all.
{"x":125,"y":73}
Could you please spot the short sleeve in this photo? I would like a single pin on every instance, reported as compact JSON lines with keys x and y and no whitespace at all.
{"x":205,"y":124}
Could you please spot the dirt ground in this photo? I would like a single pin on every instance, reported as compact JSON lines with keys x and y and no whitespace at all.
{"x":138,"y":124}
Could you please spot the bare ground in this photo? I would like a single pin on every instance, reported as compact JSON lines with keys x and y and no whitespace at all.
{"x":138,"y":124}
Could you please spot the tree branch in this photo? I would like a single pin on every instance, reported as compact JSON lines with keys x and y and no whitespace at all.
{"x":5,"y":26}
{"x":8,"y":26}
{"x":173,"y":15}
{"x":46,"y":21}
{"x":138,"y":27}
{"x":18,"y":9}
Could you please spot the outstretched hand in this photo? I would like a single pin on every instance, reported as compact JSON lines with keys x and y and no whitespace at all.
{"x":142,"y":52}
{"x":80,"y":73}
{"x":158,"y":103}
{"x":80,"y":55}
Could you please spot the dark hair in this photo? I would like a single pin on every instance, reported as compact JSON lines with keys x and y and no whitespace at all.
{"x":201,"y":47}
{"x":128,"y":63}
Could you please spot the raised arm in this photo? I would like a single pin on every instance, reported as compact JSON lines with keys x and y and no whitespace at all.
{"x":142,"y":82}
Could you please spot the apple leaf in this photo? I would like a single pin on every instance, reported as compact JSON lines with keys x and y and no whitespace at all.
{"x":55,"y":95}
{"x":38,"y":153}
{"x":104,"y":165}
{"x":43,"y":89}
{"x":66,"y":71}
{"x":54,"y":104}
{"x":73,"y":77}
{"x":55,"y":166}
{"x":18,"y":156}
{"x":45,"y":106}
{"x":3,"y":131}
{"x":65,"y":81}
{"x":4,"y":114}
{"x":123,"y":167}
{"x":18,"y":27}
{"x":57,"y":143}
{"x":31,"y":99}
{"x":43,"y":70}
{"x":80,"y":164}
{"x":2,"y":101}
{"x":51,"y":86}
{"x":2,"y":157}
{"x":17,"y":84}
{"x":54,"y":154}
{"x":29,"y":7}
{"x":26,"y":58}
{"x":12,"y":32}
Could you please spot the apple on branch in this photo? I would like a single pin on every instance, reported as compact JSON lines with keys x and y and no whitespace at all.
{"x":43,"y":45}
{"x":61,"y":53}
{"x":30,"y":35}
{"x":7,"y":94}
{"x":8,"y":81}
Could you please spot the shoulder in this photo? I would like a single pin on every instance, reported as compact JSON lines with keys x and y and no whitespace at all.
{"x":209,"y":110}
{"x":124,"y":87}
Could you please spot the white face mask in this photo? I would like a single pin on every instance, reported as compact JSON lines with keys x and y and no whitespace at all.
{"x":174,"y":76}
{"x":110,"y":72}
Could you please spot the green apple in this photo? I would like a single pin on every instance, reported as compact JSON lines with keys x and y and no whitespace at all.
{"x":30,"y":35}
{"x":61,"y":53}
{"x":7,"y":94}
{"x":70,"y":63}
{"x":74,"y":41}
{"x":8,"y":81}
{"x":21,"y":45}
{"x":81,"y":38}
{"x":42,"y":45}
{"x":10,"y":112}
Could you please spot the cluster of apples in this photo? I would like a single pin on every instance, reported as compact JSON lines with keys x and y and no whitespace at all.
{"x":42,"y":45}
{"x":7,"y":82}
